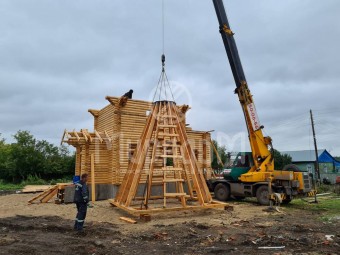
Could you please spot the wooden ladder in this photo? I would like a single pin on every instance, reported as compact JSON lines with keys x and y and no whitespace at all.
{"x":170,"y":144}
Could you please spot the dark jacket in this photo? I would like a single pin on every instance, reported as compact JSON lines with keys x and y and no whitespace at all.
{"x":81,"y":194}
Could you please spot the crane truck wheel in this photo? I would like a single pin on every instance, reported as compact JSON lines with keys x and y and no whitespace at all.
{"x":262,"y":195}
{"x":291,"y":167}
{"x":222,"y":192}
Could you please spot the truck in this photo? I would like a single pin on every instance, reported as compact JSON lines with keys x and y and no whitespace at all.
{"x":253,"y":173}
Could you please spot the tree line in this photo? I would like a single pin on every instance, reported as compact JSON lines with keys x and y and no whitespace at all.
{"x":28,"y":157}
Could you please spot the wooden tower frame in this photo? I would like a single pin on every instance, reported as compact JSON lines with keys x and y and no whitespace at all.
{"x":173,"y":162}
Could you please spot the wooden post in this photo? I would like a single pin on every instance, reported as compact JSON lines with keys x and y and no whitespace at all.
{"x":317,"y":170}
{"x":93,"y":183}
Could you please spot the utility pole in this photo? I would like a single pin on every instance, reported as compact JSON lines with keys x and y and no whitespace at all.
{"x":317,"y":170}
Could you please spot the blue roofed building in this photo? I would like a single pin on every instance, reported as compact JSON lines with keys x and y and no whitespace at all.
{"x":306,"y":161}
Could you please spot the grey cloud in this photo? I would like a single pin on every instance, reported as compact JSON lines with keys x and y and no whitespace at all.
{"x":60,"y":58}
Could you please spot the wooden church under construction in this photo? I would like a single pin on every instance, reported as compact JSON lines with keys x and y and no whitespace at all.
{"x":106,"y":151}
{"x":143,"y":156}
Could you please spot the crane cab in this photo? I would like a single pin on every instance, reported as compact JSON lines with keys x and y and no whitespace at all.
{"x":241,"y":165}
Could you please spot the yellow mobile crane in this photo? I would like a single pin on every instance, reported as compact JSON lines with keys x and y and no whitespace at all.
{"x":253,"y":174}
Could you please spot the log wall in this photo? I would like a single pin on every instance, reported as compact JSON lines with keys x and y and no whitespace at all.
{"x":123,"y":121}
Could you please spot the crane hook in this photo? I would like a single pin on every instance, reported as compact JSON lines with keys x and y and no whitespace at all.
{"x":163,"y":60}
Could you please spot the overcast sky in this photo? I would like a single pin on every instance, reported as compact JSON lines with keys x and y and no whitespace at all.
{"x":60,"y":58}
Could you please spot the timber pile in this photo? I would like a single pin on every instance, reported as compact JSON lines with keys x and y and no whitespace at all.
{"x":45,"y":196}
{"x":35,"y":188}
{"x":117,"y":129}
{"x":164,"y":155}
{"x":53,"y":191}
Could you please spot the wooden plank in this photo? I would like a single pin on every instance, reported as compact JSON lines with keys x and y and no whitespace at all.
{"x":175,"y":194}
{"x":167,"y":135}
{"x":170,"y":156}
{"x":39,"y":196}
{"x":35,"y":188}
{"x":167,"y":126}
{"x":129,"y":220}
{"x":50,"y":195}
{"x":173,"y":180}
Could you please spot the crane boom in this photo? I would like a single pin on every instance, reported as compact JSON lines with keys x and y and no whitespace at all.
{"x":261,"y":146}
{"x":229,"y":43}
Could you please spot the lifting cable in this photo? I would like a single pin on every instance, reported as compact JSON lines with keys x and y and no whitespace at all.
{"x":163,"y":87}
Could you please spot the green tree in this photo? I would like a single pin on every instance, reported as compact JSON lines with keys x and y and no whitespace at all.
{"x":24,"y":157}
{"x":5,"y":159}
{"x":281,"y":160}
{"x":224,"y":155}
{"x":29,"y":157}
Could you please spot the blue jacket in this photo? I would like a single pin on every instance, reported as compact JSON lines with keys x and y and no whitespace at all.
{"x":81,"y":194}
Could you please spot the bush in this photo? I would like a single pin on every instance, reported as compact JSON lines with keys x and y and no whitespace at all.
{"x":65,"y":179}
{"x":325,"y":188}
{"x":33,"y":180}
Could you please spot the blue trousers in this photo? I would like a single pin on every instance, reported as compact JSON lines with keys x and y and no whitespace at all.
{"x":81,"y":215}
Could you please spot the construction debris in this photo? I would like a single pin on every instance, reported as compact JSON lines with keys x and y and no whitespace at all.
{"x":271,"y":247}
{"x":129,"y":220}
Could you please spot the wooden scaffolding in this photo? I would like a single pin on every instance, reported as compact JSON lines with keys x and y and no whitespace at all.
{"x":173,"y":166}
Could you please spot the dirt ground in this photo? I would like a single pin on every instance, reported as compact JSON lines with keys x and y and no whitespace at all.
{"x":47,"y":229}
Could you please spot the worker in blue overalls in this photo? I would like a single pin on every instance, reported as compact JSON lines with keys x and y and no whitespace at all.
{"x":81,"y":198}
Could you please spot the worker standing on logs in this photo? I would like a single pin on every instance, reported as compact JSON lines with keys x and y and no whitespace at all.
{"x":81,"y":198}
{"x":128,"y":94}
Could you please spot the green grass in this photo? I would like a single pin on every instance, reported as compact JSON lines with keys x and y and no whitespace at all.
{"x":327,"y":207}
{"x":32,"y":180}
{"x":10,"y":186}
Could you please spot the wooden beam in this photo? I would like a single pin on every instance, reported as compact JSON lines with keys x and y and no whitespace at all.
{"x":184,"y":108}
{"x":129,"y":220}
{"x":111,"y":100}
{"x":216,"y":152}
{"x":95,"y":113}
{"x":40,"y":195}
{"x":89,"y":135}
{"x":84,"y":134}
{"x":49,"y":196}
{"x":122,"y":101}
{"x":107,"y":136}
{"x":93,"y":182}
{"x":98,"y":135}
{"x":76,"y":135}
{"x":62,"y":139}
{"x":138,"y":211}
